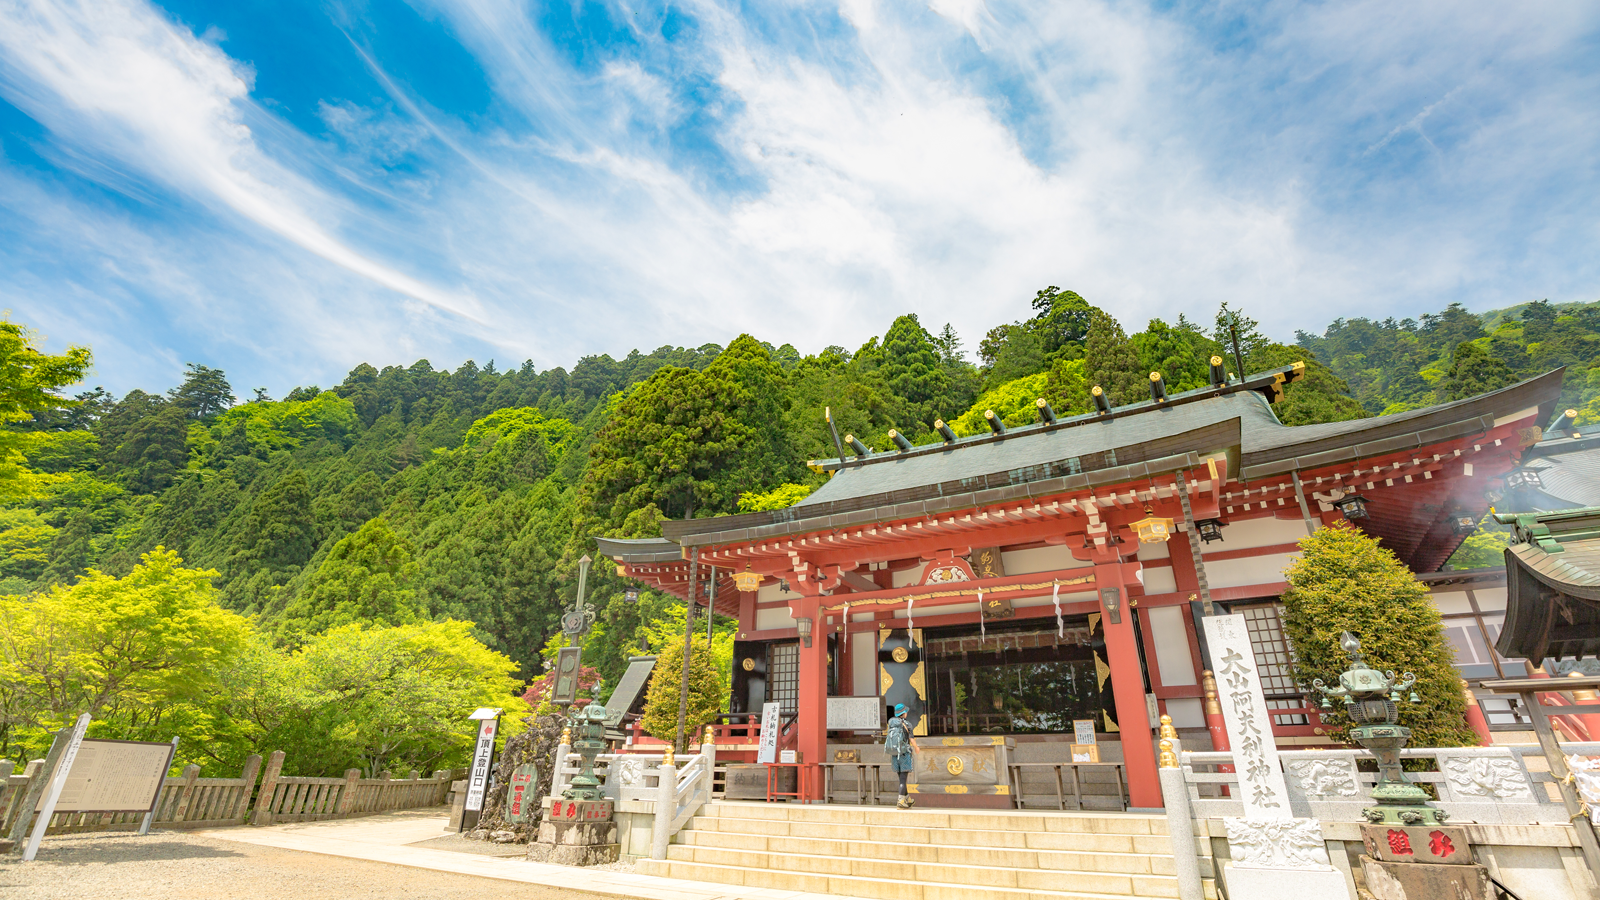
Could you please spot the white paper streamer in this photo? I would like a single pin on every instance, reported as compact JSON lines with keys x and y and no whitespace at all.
{"x":983,"y":632}
{"x":1055,"y":597}
{"x":910,"y":602}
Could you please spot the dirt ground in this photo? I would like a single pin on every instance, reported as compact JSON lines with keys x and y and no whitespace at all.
{"x":177,"y":866}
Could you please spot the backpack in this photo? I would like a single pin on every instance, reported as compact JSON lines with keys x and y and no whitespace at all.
{"x":896,"y":744}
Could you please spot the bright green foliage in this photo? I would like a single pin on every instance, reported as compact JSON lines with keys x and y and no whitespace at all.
{"x":281,"y":536}
{"x":781,"y":497}
{"x":708,"y":688}
{"x":1015,"y":402}
{"x":1319,"y":395}
{"x":261,"y":428}
{"x":1344,"y":581}
{"x":387,"y":695}
{"x":1112,"y":362}
{"x":30,"y":384}
{"x":1066,"y":388}
{"x":1472,"y":372}
{"x":1483,"y":549}
{"x":1181,"y":353}
{"x":1018,"y":352}
{"x":125,"y":650}
{"x":1061,"y":321}
{"x":369,"y":577}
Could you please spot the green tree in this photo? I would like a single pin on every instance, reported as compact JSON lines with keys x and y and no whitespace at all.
{"x":276,"y":538}
{"x":1066,"y":388}
{"x":1472,"y":372}
{"x":911,"y":369}
{"x":1319,"y":395}
{"x":708,"y":690}
{"x":30,"y":384}
{"x":781,"y":497}
{"x":1344,"y":581}
{"x":1018,"y":354}
{"x":205,"y":392}
{"x":127,"y":651}
{"x":1015,"y":402}
{"x":368,"y":577}
{"x":1181,"y":353}
{"x":153,"y":450}
{"x":1113,"y":363}
{"x":1061,"y":321}
{"x":1239,"y":336}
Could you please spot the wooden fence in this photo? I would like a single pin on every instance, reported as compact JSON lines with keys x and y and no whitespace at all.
{"x":189,"y":801}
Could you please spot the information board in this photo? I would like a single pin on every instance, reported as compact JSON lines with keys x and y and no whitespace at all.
{"x":854,"y":714}
{"x":1083,"y":731}
{"x":770,"y":713}
{"x":114,"y":776}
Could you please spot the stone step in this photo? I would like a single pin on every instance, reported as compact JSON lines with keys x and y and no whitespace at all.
{"x":963,"y":819}
{"x":936,"y":834}
{"x":974,"y":876}
{"x":939,"y":854}
{"x":740,"y":873}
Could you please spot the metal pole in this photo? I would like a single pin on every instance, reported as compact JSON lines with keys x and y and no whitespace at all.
{"x":711,"y":599}
{"x":688,"y":647}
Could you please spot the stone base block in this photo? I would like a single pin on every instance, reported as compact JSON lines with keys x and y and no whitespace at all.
{"x":578,"y":834}
{"x":575,"y":855}
{"x":1251,"y":883}
{"x":1414,"y":880}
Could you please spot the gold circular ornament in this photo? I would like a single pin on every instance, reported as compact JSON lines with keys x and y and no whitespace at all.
{"x":954,"y":765}
{"x":899,"y":654}
{"x":748,"y":664}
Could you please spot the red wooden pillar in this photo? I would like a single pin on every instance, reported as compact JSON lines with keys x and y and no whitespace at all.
{"x":1127,"y":678}
{"x":1475,"y":718}
{"x":812,"y":725}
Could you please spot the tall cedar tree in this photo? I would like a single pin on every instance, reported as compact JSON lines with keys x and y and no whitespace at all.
{"x":1113,"y":363}
{"x":1061,"y":320}
{"x":911,"y":368}
{"x":1344,"y":581}
{"x":205,"y":392}
{"x":1472,"y":372}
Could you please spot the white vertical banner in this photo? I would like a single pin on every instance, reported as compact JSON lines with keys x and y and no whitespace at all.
{"x":479,"y":780}
{"x":770,"y":713}
{"x":1244,"y":710}
{"x":57,"y":781}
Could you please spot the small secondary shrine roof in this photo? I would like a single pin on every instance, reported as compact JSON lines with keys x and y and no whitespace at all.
{"x":1553,"y":585}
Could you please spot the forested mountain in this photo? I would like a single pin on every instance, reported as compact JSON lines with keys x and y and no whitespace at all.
{"x":407,"y":494}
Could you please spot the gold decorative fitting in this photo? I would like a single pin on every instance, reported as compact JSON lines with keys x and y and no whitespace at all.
{"x":1096,"y":390}
{"x":1167,"y":731}
{"x":747,"y":580}
{"x":711,"y":734}
{"x":749,"y":665}
{"x":954,"y":765}
{"x":666,"y":756}
{"x":566,"y":736}
{"x":622,"y":571}
{"x":1155,"y":376}
{"x":899,"y":654}
{"x":1216,"y":360}
{"x":1169,"y":760}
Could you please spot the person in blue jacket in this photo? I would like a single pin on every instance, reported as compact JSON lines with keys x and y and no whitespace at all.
{"x":900,"y":746}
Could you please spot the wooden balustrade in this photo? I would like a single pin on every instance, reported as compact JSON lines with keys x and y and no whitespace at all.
{"x":189,"y":801}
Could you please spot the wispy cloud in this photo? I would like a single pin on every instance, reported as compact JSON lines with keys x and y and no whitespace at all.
{"x":805,"y":172}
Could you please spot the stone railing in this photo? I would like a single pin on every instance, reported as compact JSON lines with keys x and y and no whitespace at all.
{"x":1474,"y":784}
{"x":189,"y":801}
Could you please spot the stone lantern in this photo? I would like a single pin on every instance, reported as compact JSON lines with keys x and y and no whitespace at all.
{"x":1372,"y":700}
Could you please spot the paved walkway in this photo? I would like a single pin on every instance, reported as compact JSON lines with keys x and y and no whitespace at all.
{"x":388,"y":838}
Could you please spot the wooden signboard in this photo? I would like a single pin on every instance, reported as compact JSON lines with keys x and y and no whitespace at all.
{"x":1083,"y":731}
{"x":114,"y":776}
{"x":768,"y":750}
{"x":568,"y":663}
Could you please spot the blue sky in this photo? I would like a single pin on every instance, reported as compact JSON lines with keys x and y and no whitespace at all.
{"x":284,"y":189}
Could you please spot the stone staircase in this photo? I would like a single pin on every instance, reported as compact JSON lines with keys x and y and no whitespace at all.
{"x":934,"y":854}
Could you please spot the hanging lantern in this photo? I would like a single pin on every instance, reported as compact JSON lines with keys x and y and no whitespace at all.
{"x":1152,"y":530}
{"x":1523,"y":478}
{"x":747,"y":580}
{"x":631,"y":595}
{"x":1464,"y":523}
{"x":1354,"y":506}
{"x":1210,"y":529}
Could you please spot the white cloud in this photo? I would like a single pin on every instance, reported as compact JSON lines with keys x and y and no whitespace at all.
{"x":862,"y":161}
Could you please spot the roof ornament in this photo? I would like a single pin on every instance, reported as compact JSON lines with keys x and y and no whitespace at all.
{"x":1046,"y":414}
{"x":899,"y":440}
{"x":995,"y":425}
{"x":1101,"y":404}
{"x":857,"y":446}
{"x":1158,"y":388}
{"x":1219,"y":374}
{"x":943,"y":428}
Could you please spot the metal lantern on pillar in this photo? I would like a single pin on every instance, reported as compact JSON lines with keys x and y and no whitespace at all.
{"x":1353,"y":506}
{"x":747,"y":581}
{"x":803,"y":625}
{"x":1152,"y":529}
{"x":1210,"y":529}
{"x":631,"y":595}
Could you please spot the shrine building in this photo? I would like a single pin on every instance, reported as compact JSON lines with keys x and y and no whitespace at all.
{"x":1016,"y":582}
